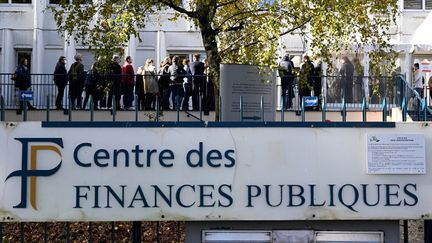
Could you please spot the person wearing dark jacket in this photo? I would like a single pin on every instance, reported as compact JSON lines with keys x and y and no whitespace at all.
{"x":23,"y":82}
{"x":306,"y":78}
{"x":92,"y":82}
{"x":60,"y":80}
{"x":347,"y":74}
{"x":76,"y":82}
{"x":198,"y":80}
{"x":114,"y":81}
{"x":286,"y":73}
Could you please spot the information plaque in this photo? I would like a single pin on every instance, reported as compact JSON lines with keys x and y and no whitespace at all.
{"x":396,"y":154}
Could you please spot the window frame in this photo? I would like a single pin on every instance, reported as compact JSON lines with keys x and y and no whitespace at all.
{"x":10,"y":3}
{"x":423,"y":7}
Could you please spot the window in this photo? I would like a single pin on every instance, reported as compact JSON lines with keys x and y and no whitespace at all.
{"x":70,"y":1}
{"x":23,"y":54}
{"x":16,"y":1}
{"x":418,"y":4}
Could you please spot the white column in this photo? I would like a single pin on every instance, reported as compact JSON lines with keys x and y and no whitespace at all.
{"x":366,"y":62}
{"x":69,"y":50}
{"x":161,"y":47}
{"x":38,"y":42}
{"x":408,"y":67}
{"x":131,"y":50}
{"x":8,"y":52}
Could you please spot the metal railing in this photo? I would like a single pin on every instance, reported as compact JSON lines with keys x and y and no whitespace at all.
{"x":366,"y":93}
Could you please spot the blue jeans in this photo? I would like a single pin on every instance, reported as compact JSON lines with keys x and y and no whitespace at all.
{"x":187,"y":87}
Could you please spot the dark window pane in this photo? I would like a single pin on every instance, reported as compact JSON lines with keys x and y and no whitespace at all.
{"x":21,"y":1}
{"x":429,"y":4}
{"x":413,"y":4}
{"x":82,"y":1}
{"x":4,"y":1}
{"x":54,"y":1}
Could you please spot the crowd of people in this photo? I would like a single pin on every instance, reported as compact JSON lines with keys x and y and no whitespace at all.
{"x":177,"y":83}
{"x":174,"y":84}
{"x":348,"y":82}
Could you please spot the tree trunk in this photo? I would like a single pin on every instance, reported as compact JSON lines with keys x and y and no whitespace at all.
{"x":214,"y":61}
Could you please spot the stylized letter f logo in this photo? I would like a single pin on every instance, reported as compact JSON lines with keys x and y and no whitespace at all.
{"x":24,"y":173}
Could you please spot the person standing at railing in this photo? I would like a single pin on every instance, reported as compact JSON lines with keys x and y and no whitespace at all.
{"x":151,"y":88}
{"x":418,"y":80}
{"x":347,"y":73}
{"x":177,"y":74}
{"x":286,"y":74}
{"x":60,"y":80}
{"x":163,"y":82}
{"x":23,"y":82}
{"x":114,"y":81}
{"x":76,"y":82}
{"x":198,"y":80}
{"x":358,"y":81}
{"x":430,"y":87}
{"x":93,"y":83}
{"x":187,"y":85}
{"x":306,"y":78}
{"x":128,"y":81}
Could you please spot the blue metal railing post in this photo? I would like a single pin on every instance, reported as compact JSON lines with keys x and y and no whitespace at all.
{"x":344,"y":112}
{"x":323,"y":109}
{"x":2,"y":109}
{"x":200,"y":105}
{"x":114,"y":108}
{"x":220,"y":108}
{"x":177,"y":100}
{"x":424,"y":109}
{"x":404,"y":109}
{"x":262,"y":107}
{"x":241,"y":108}
{"x":24,"y":103}
{"x":91,"y":103}
{"x":384,"y":110}
{"x":136,"y":107}
{"x":303,"y":115}
{"x":48,"y":108}
{"x":364,"y":107}
{"x":283,"y":111}
{"x":70,"y":109}
{"x":157,"y":108}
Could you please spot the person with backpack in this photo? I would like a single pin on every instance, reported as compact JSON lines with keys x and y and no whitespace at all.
{"x":177,"y":73}
{"x":286,"y":73}
{"x":60,"y":80}
{"x":76,"y":82}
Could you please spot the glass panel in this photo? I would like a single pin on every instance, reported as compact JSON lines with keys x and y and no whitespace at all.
{"x":22,"y":1}
{"x":4,"y":1}
{"x":429,"y":4}
{"x":413,"y":4}
{"x":54,"y":1}
{"x":82,"y":1}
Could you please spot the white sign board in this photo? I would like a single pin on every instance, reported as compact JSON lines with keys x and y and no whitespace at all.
{"x":128,"y":174}
{"x":251,"y":83}
{"x":396,"y":154}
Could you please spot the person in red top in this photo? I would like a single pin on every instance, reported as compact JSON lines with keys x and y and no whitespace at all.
{"x":128,"y":81}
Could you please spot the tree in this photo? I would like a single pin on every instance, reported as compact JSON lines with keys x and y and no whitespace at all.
{"x":238,"y":31}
